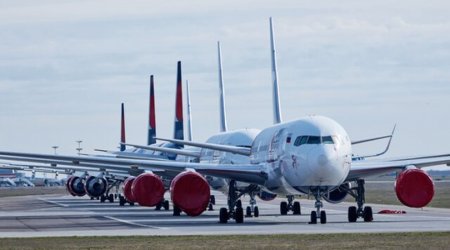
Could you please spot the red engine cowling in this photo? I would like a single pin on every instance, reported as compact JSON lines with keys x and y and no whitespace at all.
{"x":127,"y":189}
{"x":190,"y":192}
{"x":414,"y":188}
{"x":69,"y":189}
{"x":148,"y":189}
{"x":76,"y":186}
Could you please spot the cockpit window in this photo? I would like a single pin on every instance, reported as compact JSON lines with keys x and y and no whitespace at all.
{"x":300,"y":140}
{"x":304,"y":139}
{"x":327,"y":140}
{"x":313,"y":140}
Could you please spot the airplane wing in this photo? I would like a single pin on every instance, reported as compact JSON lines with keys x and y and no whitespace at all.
{"x":366,"y":168}
{"x":219,"y":147}
{"x":250,"y":173}
{"x":166,"y":150}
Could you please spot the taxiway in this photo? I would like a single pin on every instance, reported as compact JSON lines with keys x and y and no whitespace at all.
{"x":56,"y":215}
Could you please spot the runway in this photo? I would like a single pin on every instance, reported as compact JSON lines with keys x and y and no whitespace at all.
{"x":56,"y":215}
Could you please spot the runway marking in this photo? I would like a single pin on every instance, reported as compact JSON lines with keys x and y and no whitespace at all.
{"x":132,"y":223}
{"x":53,"y":202}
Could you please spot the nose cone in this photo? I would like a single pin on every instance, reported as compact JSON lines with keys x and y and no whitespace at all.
{"x":324,"y":166}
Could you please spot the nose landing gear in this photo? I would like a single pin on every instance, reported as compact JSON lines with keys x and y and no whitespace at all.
{"x":285,"y":207}
{"x":318,"y":214}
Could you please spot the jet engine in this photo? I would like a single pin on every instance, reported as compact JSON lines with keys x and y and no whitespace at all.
{"x":75,"y":186}
{"x":95,"y":186}
{"x":414,"y":188}
{"x":148,"y":189}
{"x":127,"y":189}
{"x":337,"y":195}
{"x":68,"y":186}
{"x":190,"y":192}
{"x":266,"y":196}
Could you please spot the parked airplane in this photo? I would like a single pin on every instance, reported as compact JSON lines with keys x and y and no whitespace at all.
{"x":311,"y":155}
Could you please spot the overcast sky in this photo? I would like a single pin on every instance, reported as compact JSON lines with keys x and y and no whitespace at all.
{"x":65,"y":67}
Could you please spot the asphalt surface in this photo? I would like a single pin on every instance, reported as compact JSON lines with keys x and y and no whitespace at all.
{"x":56,"y":215}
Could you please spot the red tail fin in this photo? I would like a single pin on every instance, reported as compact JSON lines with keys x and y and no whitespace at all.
{"x":151,"y":116}
{"x":122,"y":129}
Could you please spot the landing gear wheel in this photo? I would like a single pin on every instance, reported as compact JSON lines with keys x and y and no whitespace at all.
{"x":239,"y":215}
{"x":212,"y":199}
{"x":158,"y":206}
{"x":131,"y":203}
{"x":248,"y":212}
{"x":367,"y":214}
{"x":176,"y":211}
{"x":239,"y":203}
{"x":92,"y":197}
{"x":352,"y":214}
{"x":323,"y":217}
{"x":296,"y":208}
{"x":166,"y":205}
{"x":223,"y":215}
{"x":102,"y":198}
{"x":122,"y":201}
{"x":283,"y":208}
{"x":210,"y":207}
{"x":256,"y":212}
{"x":313,"y":217}
{"x":111,"y":198}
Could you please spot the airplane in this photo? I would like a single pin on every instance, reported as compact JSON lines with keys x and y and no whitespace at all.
{"x":311,"y":155}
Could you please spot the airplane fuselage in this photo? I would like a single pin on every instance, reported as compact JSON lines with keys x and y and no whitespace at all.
{"x":303,"y":156}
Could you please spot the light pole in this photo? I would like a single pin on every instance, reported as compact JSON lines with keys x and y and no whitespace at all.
{"x":79,"y":146}
{"x":54,"y":148}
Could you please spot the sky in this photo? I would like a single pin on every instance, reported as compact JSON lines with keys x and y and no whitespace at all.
{"x":65,"y":67}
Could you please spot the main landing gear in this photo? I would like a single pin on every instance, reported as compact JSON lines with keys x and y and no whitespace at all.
{"x":318,"y":214}
{"x":285,"y":207}
{"x":234,"y":210}
{"x":359,"y":212}
{"x":163,"y":204}
{"x":123,"y":201}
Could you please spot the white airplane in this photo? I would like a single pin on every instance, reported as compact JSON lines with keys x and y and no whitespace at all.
{"x":310,"y":155}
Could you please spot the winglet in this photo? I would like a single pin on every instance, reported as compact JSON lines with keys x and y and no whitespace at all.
{"x":387,"y":147}
{"x":189,"y":119}
{"x":122,"y":129}
{"x":275,"y":91}
{"x":178,"y":128}
{"x":151,"y":116}
{"x":223,"y":115}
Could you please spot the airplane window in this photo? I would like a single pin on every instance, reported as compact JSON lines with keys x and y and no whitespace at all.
{"x":300,"y":140}
{"x":313,"y":140}
{"x":327,"y":140}
{"x":303,"y":140}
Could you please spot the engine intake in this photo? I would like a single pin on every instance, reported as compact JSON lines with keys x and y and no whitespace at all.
{"x":266,"y":196}
{"x":190,"y":192}
{"x":414,"y":188}
{"x":127,"y":191}
{"x":338,"y":195}
{"x":76,"y":185}
{"x":148,"y":189}
{"x":95,"y":186}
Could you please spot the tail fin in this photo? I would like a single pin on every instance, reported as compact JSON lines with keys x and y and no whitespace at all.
{"x":275,"y":91}
{"x":151,"y":115}
{"x":122,"y":129}
{"x":189,"y":118}
{"x":178,"y":128}
{"x":223,"y":115}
